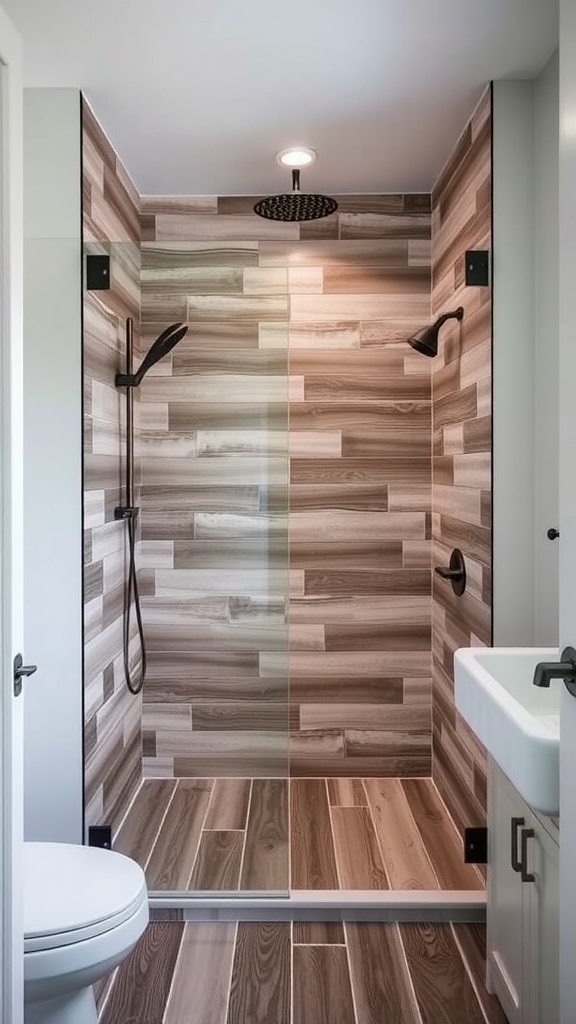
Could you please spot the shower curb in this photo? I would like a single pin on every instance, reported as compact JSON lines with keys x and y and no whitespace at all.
{"x":310,"y":905}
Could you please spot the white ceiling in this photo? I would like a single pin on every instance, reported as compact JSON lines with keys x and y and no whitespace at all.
{"x":197,"y":98}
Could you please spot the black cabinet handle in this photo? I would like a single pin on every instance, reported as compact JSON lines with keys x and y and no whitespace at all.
{"x":527,"y":876}
{"x":515,"y":861}
{"x":552,"y":533}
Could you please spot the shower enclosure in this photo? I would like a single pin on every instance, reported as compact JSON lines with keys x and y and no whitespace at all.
{"x":211,"y":482}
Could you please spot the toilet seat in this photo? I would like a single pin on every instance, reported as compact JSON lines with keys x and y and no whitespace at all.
{"x":73,"y":893}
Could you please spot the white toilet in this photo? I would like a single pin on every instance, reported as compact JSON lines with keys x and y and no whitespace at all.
{"x":84,"y":910}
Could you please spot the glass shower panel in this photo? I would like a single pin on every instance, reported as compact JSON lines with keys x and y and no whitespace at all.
{"x":210,"y":814}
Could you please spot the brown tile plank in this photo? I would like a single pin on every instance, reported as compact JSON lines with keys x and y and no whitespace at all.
{"x":380,"y":981}
{"x":172,"y":858}
{"x":346,"y":793}
{"x":201,"y":985}
{"x":228,"y":807}
{"x":471,"y":941}
{"x":313,"y":863}
{"x":218,"y":861}
{"x":142,"y":984}
{"x":439,"y":836}
{"x":265,"y":864}
{"x":443,"y":989}
{"x":357,"y":852}
{"x":405,"y":859}
{"x":318,"y":933}
{"x":322,"y":992}
{"x":260,"y":988}
{"x":137,"y":835}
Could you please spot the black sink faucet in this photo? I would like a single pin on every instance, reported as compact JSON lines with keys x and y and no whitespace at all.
{"x":564,"y":669}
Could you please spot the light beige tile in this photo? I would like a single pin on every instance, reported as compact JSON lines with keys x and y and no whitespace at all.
{"x":305,"y":280}
{"x":379,"y":717}
{"x":351,"y":663}
{"x":273,"y":335}
{"x":419,"y":252}
{"x":453,"y":439}
{"x":107,"y":403}
{"x":311,"y":444}
{"x":216,"y":387}
{"x":340,"y":526}
{"x":201,"y":582}
{"x":417,"y":554}
{"x":155,"y":554}
{"x":324,"y":336}
{"x":296,"y":389}
{"x":265,"y":281}
{"x":151,"y":415}
{"x":307,"y":637}
{"x":473,"y":470}
{"x":167,"y":717}
{"x":310,"y":308}
{"x":224,"y":227}
{"x":158,"y":767}
{"x":457,"y":502}
{"x":94,"y":509}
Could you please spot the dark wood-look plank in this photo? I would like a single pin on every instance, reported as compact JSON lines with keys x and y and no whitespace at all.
{"x":201,"y":985}
{"x":380,"y":982}
{"x":142,"y":983}
{"x":139,"y":830}
{"x":228,"y":804}
{"x":172,"y":859}
{"x":358,"y":855}
{"x":471,"y":941}
{"x":346,"y":793}
{"x":260,"y":989}
{"x":313,"y":861}
{"x":318,"y":933}
{"x":218,"y":861}
{"x":322,"y":992}
{"x":405,"y":859}
{"x":443,"y":988}
{"x":266,"y":860}
{"x":439,"y":836}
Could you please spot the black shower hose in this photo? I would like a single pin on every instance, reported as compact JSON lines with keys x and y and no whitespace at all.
{"x":131,"y":595}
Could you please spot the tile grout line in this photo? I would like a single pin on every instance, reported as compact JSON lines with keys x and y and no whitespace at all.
{"x":409,"y":973}
{"x":376,"y":836}
{"x":127,"y":811}
{"x":334,"y":847}
{"x":245,"y":830}
{"x":200,"y":834}
{"x":232,"y":961}
{"x":350,"y":975}
{"x":481,"y":879}
{"x":469,"y":971}
{"x":174,"y":972}
{"x":160,"y":827}
{"x":419,"y":831}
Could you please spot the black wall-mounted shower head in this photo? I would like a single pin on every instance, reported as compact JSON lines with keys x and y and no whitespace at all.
{"x":295,"y":205}
{"x":426,"y":340}
{"x":164,"y":344}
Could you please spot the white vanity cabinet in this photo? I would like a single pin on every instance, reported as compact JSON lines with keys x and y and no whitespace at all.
{"x":522,"y":911}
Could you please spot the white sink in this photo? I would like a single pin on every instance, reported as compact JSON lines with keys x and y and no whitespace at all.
{"x":518,"y":723}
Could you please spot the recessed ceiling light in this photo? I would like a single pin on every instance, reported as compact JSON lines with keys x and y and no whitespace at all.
{"x":297,"y":156}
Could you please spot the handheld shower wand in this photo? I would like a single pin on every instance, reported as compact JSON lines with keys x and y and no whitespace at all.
{"x":129,"y":511}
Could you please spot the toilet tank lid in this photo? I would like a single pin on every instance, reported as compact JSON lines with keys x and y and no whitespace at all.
{"x":67,"y":887}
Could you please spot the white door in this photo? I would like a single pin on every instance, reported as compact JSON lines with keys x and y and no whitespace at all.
{"x":11,"y":515}
{"x":567,"y":454}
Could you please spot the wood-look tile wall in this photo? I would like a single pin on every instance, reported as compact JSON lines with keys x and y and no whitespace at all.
{"x":345,"y":293}
{"x":112,"y":715}
{"x":461,"y":410}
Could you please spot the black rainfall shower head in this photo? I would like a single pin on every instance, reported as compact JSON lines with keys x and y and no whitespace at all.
{"x":164,"y":344}
{"x":426,"y":340}
{"x":295,"y":205}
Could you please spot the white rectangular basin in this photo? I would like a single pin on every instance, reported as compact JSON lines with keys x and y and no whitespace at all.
{"x":518,"y":723}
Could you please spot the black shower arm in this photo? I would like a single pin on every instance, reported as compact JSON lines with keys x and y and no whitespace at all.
{"x":456,"y":314}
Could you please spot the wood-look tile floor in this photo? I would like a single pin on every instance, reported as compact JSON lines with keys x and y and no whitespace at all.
{"x":272,"y":835}
{"x":281,"y":973}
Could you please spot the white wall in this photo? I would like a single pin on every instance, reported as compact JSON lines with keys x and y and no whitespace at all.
{"x":52,"y":460}
{"x":513,"y":366}
{"x":525,"y":249}
{"x":547,"y":158}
